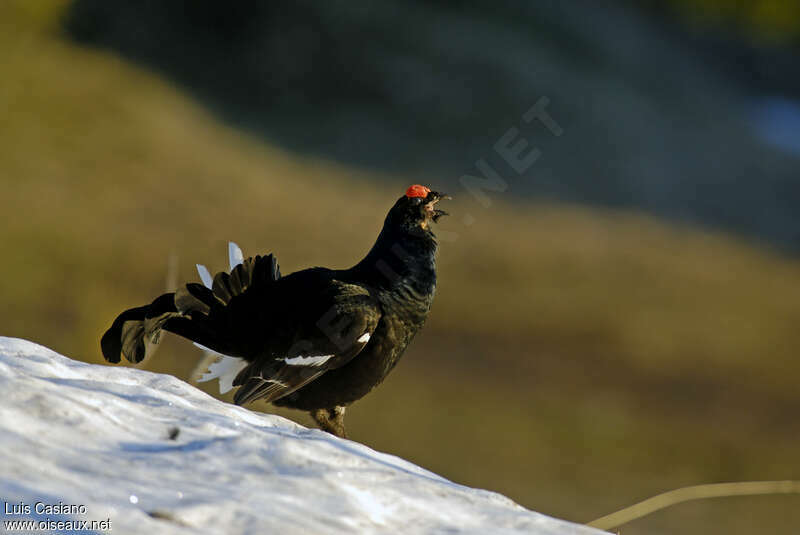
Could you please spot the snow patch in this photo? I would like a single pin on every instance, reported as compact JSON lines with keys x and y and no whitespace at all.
{"x":154,"y":454}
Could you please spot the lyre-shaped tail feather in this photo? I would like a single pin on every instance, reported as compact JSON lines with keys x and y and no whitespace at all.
{"x":244,"y":274}
{"x":193,"y":311}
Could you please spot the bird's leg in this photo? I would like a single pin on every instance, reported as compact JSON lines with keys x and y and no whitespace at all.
{"x":330,"y":420}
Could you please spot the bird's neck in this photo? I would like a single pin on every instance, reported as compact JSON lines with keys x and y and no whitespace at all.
{"x":400,"y":259}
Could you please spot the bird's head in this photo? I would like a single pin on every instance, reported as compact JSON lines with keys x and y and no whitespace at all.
{"x":415,"y":210}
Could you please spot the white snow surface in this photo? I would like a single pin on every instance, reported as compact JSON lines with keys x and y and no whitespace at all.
{"x":99,"y":436}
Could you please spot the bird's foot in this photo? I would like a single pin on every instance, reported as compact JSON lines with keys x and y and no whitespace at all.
{"x":330,"y":420}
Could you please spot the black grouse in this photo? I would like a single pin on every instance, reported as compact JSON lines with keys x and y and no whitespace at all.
{"x":315,"y":340}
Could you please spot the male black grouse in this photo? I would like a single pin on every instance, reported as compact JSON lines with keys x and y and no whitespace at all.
{"x":315,"y":340}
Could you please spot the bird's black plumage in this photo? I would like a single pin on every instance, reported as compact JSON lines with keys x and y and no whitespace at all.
{"x":315,"y":340}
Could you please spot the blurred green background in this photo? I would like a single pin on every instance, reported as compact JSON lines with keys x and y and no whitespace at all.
{"x":584,"y":351}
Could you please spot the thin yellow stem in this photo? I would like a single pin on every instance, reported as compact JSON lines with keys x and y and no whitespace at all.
{"x":696,"y":492}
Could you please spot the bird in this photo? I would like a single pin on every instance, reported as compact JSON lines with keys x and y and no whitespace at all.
{"x":317,"y":339}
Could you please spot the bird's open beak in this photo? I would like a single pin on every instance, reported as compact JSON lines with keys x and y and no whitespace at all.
{"x":434,"y":212}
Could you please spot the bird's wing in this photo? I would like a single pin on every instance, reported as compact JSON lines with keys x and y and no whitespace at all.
{"x":334,"y":328}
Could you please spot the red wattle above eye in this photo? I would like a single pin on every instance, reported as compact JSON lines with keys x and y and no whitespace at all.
{"x":418,"y":191}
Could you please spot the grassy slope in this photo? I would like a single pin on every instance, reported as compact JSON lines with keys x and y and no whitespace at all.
{"x":615,"y":356}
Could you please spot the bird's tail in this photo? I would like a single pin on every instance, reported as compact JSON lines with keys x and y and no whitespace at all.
{"x":194,"y":311}
{"x":185,"y":312}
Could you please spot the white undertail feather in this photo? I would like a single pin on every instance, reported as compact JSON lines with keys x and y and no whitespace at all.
{"x":364,"y":338}
{"x":223,"y":367}
{"x":235,"y":256}
{"x":205,"y":276}
{"x":215,"y":365}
